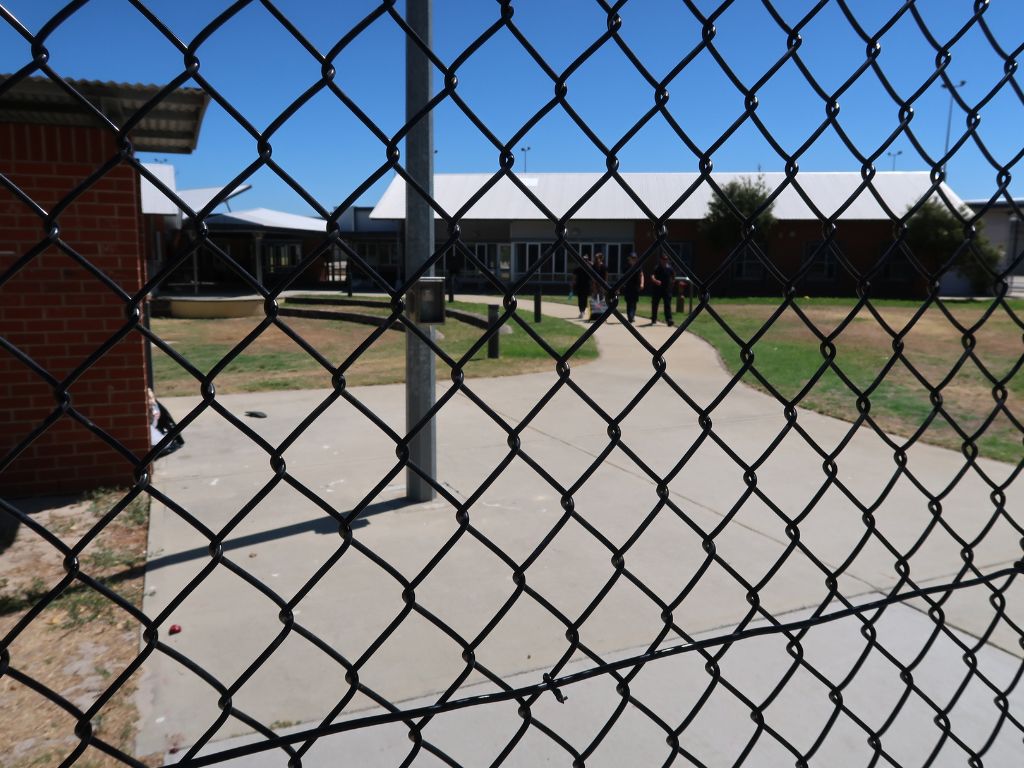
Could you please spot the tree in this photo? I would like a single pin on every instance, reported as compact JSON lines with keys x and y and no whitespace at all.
{"x":721,"y":226}
{"x":935,"y":233}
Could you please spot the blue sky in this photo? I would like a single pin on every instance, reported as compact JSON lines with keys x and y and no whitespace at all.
{"x":260,"y":68}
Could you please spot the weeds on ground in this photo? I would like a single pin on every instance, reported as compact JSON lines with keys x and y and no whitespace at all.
{"x":78,"y":643}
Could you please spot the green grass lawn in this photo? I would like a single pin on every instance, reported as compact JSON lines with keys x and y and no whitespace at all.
{"x":274,"y":361}
{"x":788,"y":355}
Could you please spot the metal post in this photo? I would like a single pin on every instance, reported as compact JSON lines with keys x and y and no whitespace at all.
{"x":1015,"y":221}
{"x":257,"y":250}
{"x":949,"y":117}
{"x":536,"y":305}
{"x":419,"y":245}
{"x":493,"y":349}
{"x":147,"y":316}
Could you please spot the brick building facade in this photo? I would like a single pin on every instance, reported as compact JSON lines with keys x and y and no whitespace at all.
{"x":57,"y":313}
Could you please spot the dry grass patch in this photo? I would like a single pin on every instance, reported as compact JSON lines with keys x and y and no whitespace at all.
{"x":788,"y":355}
{"x":275,"y":361}
{"x":81,"y":642}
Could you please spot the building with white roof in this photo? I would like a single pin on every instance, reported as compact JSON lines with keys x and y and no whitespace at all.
{"x":509,"y":228}
{"x":1004,"y":229}
{"x":264,"y":242}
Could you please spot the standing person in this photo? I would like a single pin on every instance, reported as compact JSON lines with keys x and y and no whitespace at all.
{"x":663,"y":278}
{"x":581,"y":286}
{"x":633,"y":288}
{"x":602,"y":272}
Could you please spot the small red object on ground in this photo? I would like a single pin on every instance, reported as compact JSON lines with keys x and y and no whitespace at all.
{"x":175,"y":629}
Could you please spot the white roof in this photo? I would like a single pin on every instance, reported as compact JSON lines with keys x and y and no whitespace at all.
{"x":156,"y":202}
{"x":264,"y":217}
{"x":153,"y":200}
{"x":659,"y":191}
{"x":197,"y":198}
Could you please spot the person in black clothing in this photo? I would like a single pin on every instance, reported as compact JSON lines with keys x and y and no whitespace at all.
{"x":633,"y":288}
{"x":602,"y":272}
{"x":581,"y":283}
{"x":663,"y":279}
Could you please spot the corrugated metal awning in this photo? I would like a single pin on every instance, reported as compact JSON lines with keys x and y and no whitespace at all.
{"x":171,"y":126}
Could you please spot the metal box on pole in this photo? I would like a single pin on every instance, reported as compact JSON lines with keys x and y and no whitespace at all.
{"x":426,"y":301}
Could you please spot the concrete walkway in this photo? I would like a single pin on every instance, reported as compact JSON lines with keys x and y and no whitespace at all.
{"x":228,"y":623}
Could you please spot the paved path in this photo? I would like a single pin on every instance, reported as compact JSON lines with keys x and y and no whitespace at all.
{"x":227,"y":623}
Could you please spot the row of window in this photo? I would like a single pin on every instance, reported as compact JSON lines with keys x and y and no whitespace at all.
{"x":508,"y":260}
{"x":822,"y":264}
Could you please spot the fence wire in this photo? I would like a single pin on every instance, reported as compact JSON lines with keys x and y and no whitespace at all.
{"x":674,"y":638}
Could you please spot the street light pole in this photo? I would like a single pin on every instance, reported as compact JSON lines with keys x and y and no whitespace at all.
{"x":949,"y":118}
{"x":894,"y":155}
{"x":524,"y":150}
{"x":420,"y":374}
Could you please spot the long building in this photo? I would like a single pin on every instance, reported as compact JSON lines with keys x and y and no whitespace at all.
{"x":508,"y":231}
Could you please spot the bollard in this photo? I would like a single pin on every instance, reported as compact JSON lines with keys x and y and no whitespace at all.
{"x":451,"y":289}
{"x":536,"y":305}
{"x":684,"y":295}
{"x":493,"y":353}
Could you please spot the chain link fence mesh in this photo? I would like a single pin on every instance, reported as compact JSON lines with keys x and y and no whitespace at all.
{"x":986,"y":586}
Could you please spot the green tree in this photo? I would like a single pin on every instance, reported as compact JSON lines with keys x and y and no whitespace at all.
{"x":934,"y":233}
{"x":721,"y":225}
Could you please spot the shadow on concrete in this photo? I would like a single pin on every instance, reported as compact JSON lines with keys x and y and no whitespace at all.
{"x":9,"y":525}
{"x":322,"y":525}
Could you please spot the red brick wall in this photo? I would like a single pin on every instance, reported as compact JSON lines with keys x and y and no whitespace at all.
{"x":861,"y":242}
{"x":58,"y":314}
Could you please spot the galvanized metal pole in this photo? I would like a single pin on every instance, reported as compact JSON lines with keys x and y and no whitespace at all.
{"x":419,"y":245}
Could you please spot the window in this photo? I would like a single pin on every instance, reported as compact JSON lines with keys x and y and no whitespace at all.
{"x":615,"y":255}
{"x":748,"y":266}
{"x":611,"y":258}
{"x":823,"y":260}
{"x":283,"y":256}
{"x":896,"y":268}
{"x":681,"y":254}
{"x":383,"y":253}
{"x":558,"y":262}
{"x":484,"y":253}
{"x":528,"y":254}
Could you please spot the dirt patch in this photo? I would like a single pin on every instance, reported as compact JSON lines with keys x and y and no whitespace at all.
{"x":81,"y":642}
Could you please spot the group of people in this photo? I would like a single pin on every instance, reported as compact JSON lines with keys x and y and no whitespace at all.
{"x":588,"y":291}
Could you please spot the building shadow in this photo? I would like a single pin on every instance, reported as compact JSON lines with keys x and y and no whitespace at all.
{"x":10,"y":524}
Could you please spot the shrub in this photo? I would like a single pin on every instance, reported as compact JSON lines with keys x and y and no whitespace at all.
{"x":721,"y":226}
{"x":935,"y":233}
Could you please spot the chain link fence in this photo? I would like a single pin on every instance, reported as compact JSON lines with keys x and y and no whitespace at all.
{"x":944,"y":737}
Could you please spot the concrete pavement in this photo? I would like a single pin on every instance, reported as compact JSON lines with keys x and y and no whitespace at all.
{"x":227,"y":622}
